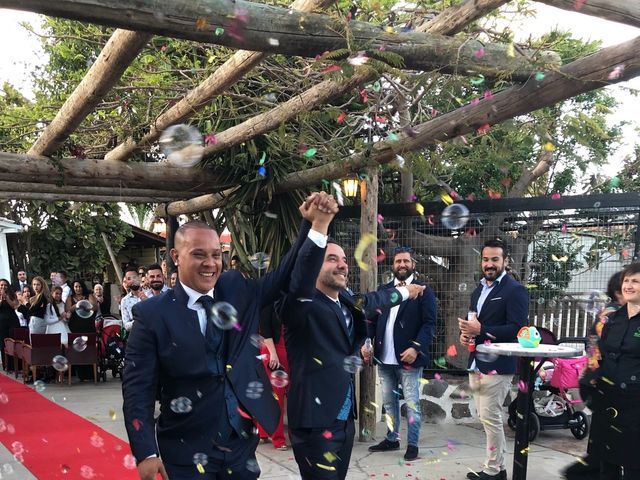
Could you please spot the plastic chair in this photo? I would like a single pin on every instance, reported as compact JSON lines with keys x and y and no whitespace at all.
{"x":88,"y":356}
{"x":44,"y":346}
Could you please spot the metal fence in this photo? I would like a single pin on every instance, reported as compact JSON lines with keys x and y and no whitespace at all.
{"x":563,"y":250}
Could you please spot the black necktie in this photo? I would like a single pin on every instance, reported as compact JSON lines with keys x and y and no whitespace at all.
{"x":402,"y":284}
{"x":212,"y":334}
{"x":347,"y":316}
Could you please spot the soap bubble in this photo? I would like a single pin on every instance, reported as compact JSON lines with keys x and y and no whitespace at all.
{"x":60,"y":363}
{"x":256,"y":340}
{"x":87,"y":472}
{"x":129,"y":462}
{"x":260,"y":260}
{"x":182,"y":145}
{"x":279,"y":378}
{"x":254,"y":390}
{"x":96,"y":440}
{"x":541,"y":301}
{"x":596,"y":301}
{"x":80,"y":343}
{"x":224,"y":315}
{"x":252,"y":466}
{"x":39,"y":385}
{"x":455,"y":216}
{"x":387,"y":277}
{"x":462,"y":287}
{"x":200,"y":459}
{"x":84,"y":309}
{"x":352,"y":364}
{"x":181,"y":405}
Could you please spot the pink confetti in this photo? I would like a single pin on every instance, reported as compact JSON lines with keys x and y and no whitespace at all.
{"x":555,"y":196}
{"x":137,"y":424}
{"x":452,"y":351}
{"x":381,"y":256}
{"x":616,"y":72}
{"x":471,"y":232}
{"x":380,"y":119}
{"x":210,"y":139}
{"x":471,"y":197}
{"x":341,"y":117}
{"x":522,"y":386}
{"x":579,"y":3}
{"x":380,"y":218}
{"x":625,"y":253}
{"x":475,"y":102}
{"x":482,"y":129}
{"x":563,"y":229}
{"x":331,"y":68}
{"x":327,"y":434}
{"x":437,"y":376}
{"x":493,"y":195}
{"x":364,"y":95}
{"x":493,"y":372}
{"x":479,"y":53}
{"x":488,"y":94}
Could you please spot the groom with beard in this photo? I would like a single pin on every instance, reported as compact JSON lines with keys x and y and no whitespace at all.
{"x":402,"y":337}
{"x":502,"y":307}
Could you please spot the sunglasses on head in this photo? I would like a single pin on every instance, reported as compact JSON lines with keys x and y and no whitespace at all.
{"x":402,"y":250}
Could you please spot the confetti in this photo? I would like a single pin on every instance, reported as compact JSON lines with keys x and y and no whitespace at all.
{"x":482,"y":129}
{"x":310,"y":152}
{"x":340,"y":118}
{"x":210,"y":139}
{"x":331,"y":68}
{"x":614,"y":182}
{"x":380,"y":218}
{"x":522,"y":386}
{"x":200,"y":468}
{"x":219,"y":31}
{"x":479,"y":53}
{"x":389,"y":421}
{"x":511,"y":51}
{"x":262,"y":172}
{"x":262,"y":158}
{"x":479,"y":80}
{"x":616,"y":72}
{"x":381,"y":256}
{"x":327,"y":434}
{"x":555,"y":196}
{"x":578,"y":4}
{"x":112,"y":414}
{"x":539,"y":76}
{"x":274,"y":42}
{"x":549,"y":147}
{"x":446,"y":198}
{"x":420,"y":209}
{"x":493,"y":195}
{"x":364,"y":242}
{"x":559,"y":259}
{"x":326,"y":467}
{"x":201,"y":23}
{"x":392,"y":137}
{"x":364,"y":95}
{"x":452,"y":351}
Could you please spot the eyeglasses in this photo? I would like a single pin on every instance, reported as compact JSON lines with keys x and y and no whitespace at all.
{"x":402,"y":250}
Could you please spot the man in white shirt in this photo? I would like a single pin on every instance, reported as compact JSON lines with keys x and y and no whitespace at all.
{"x":131,"y":283}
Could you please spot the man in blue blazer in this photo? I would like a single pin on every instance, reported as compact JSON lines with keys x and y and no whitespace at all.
{"x":502,"y":307}
{"x":324,"y":329}
{"x":211,"y":381}
{"x":403,"y":335}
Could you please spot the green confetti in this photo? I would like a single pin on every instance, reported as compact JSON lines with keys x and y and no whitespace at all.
{"x":310,"y":153}
{"x":263,"y":158}
{"x":219,"y":31}
{"x":441,"y":362}
{"x":479,"y":80}
{"x":376,"y":87}
{"x":614,"y":182}
{"x":539,"y":76}
{"x":392,"y":137}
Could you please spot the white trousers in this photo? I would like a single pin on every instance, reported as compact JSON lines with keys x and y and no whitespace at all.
{"x":489,"y":392}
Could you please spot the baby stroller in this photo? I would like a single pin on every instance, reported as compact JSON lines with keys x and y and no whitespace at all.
{"x":556,"y":407}
{"x":111,"y":347}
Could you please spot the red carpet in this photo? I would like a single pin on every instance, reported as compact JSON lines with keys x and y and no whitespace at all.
{"x":53,"y":442}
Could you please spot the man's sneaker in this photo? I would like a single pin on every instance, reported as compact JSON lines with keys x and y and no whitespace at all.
{"x":411,"y":453}
{"x":485,"y":476}
{"x":385,"y":446}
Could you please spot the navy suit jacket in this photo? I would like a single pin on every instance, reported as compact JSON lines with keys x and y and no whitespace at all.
{"x":318,"y":341}
{"x":415,"y":326}
{"x":504,"y":313}
{"x":166,"y":347}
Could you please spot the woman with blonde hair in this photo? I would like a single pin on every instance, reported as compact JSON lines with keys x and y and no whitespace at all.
{"x":35,"y":308}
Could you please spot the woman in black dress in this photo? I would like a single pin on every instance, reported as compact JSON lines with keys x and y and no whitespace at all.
{"x":36,"y":307}
{"x":615,"y":429}
{"x":8,"y":318}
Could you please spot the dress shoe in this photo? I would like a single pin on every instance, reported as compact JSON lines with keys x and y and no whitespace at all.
{"x":411,"y":453}
{"x":385,"y":446}
{"x":485,"y":476}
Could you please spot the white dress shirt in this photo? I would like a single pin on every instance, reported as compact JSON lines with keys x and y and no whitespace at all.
{"x":388,"y":347}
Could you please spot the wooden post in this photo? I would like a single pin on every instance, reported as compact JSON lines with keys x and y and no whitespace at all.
{"x":172,"y":227}
{"x":368,"y":283}
{"x":114,"y":260}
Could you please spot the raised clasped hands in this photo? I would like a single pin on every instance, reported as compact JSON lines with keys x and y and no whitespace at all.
{"x":319,"y":208}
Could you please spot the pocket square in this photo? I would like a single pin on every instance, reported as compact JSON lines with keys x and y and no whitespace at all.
{"x":494,"y":299}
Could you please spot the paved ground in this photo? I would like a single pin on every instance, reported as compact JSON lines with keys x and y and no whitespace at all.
{"x":447,"y":451}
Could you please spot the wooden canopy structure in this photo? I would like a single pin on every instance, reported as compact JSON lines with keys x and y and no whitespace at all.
{"x":300,"y":31}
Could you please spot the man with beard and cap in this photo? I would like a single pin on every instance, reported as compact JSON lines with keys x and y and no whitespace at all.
{"x":156,"y":280}
{"x":401,"y":338}
{"x":502,"y":307}
{"x":324,"y":331}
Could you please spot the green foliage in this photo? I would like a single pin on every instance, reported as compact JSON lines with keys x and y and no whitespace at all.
{"x":554,"y":260}
{"x":68,"y":236}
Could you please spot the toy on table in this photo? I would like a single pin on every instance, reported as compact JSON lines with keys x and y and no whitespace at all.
{"x":529,"y":337}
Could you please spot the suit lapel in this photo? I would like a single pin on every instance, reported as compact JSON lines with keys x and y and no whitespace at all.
{"x":336,"y":310}
{"x":181,"y":300}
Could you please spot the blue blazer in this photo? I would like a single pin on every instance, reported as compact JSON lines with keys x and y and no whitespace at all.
{"x":318,"y":341}
{"x":504,"y":313}
{"x":166,"y":348}
{"x":415,"y":326}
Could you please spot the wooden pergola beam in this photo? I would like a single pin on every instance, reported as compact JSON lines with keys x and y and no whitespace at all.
{"x":73,"y":197}
{"x":583,"y":75}
{"x":227,"y":74}
{"x":40,"y":188}
{"x":455,"y":18}
{"x":621,"y":11}
{"x":265,"y":28}
{"x":121,"y":49}
{"x":72,"y":171}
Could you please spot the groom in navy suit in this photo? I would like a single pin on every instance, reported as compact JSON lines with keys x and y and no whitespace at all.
{"x":211,"y":381}
{"x":502,"y":307}
{"x":325,"y":328}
